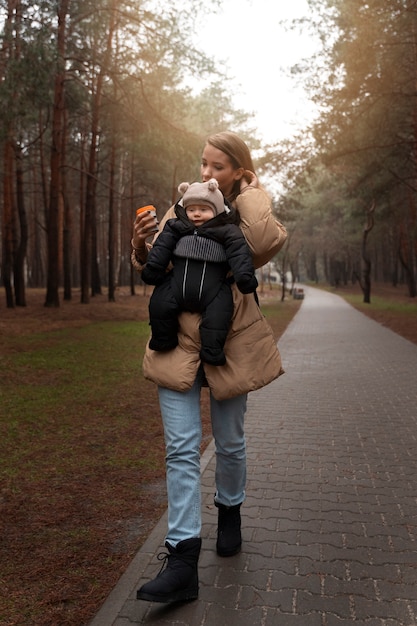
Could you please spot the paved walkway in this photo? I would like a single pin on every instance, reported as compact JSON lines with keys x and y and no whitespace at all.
{"x":330,"y":519}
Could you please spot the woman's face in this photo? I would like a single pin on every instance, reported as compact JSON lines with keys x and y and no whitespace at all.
{"x":216,"y":164}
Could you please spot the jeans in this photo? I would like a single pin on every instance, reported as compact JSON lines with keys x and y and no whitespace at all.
{"x":182,"y":426}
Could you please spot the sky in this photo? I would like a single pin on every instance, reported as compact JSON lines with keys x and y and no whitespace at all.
{"x":258,"y":51}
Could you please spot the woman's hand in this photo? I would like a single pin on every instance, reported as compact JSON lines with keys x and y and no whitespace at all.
{"x":143,"y":228}
{"x":249,"y":179}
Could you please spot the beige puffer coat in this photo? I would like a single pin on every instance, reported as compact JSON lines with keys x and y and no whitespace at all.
{"x":252,"y":356}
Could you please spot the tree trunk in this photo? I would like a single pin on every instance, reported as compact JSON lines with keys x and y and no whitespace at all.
{"x":406,"y":259}
{"x":89,"y":266}
{"x":21,"y":251}
{"x":67,"y":226}
{"x":95,"y":270}
{"x":9,"y":54}
{"x":8,"y":226}
{"x":365,"y":281}
{"x":132,"y":270}
{"x":54,"y":218}
{"x":112,"y":238}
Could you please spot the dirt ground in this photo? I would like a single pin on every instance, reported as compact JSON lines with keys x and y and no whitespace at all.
{"x":75,"y":605}
{"x":36,"y":318}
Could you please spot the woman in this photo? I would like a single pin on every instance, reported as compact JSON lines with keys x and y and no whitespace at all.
{"x":180,"y":375}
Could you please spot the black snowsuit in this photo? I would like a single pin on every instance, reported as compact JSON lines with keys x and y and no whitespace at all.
{"x":198,"y":281}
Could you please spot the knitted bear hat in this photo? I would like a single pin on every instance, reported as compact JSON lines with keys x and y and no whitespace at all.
{"x":203,"y":194}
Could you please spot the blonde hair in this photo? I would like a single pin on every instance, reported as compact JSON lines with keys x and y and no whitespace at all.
{"x":237,"y":151}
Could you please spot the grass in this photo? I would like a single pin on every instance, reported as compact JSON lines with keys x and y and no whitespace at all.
{"x":60,"y":381}
{"x":380,"y":303}
{"x":72,"y":462}
{"x":280,"y":314}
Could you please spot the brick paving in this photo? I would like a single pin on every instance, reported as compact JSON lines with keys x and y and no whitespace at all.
{"x":330,"y":519}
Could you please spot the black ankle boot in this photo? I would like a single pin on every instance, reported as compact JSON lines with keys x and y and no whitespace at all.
{"x":229,"y":538}
{"x":178,"y":580}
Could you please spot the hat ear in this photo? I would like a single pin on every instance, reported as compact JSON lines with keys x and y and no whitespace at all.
{"x":182,"y":187}
{"x":213,"y":184}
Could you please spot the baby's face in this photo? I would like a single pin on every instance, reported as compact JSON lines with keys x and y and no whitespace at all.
{"x":199,"y":214}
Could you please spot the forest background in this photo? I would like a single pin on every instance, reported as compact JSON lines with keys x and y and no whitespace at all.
{"x":103,"y":110}
{"x":106,"y":106}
